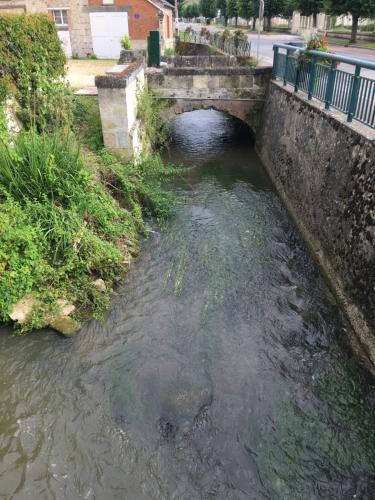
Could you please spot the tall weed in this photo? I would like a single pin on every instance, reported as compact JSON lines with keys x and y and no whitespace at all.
{"x":63,"y":226}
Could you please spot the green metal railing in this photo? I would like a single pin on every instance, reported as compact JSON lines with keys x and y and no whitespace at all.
{"x":215,"y":40}
{"x":316,"y":74}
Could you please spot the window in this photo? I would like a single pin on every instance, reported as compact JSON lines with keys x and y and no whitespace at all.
{"x":60,"y":16}
{"x":108,"y":2}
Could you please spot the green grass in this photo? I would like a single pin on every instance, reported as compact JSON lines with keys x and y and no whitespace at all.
{"x":71,"y":213}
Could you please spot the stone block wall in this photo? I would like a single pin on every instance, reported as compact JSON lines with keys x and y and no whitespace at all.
{"x":79,"y":24}
{"x":200,"y":61}
{"x":117,"y":95}
{"x":238,"y":91}
{"x":324,"y":169}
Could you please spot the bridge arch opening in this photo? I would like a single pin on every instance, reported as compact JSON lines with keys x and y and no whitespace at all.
{"x":212,"y":140}
{"x":211,"y":125}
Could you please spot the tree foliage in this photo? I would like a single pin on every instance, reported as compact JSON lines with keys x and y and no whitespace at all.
{"x":207,"y":8}
{"x":222,"y":6}
{"x":310,"y":7}
{"x":232,"y":8}
{"x":192,"y":10}
{"x":245,"y":8}
{"x":357,"y":9}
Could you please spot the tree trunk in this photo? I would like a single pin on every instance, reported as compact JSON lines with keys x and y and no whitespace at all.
{"x":236,"y":21}
{"x":353,"y":37}
{"x":267,"y":23}
{"x":315,"y":20}
{"x":254,"y":23}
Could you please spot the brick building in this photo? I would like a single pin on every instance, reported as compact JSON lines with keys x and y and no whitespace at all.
{"x":96,"y":26}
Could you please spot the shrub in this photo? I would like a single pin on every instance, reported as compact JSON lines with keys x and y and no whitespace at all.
{"x":168,"y":52}
{"x":126,"y":43}
{"x":28,"y":41}
{"x":369,"y":28}
{"x":226,"y":34}
{"x":31,"y":65}
{"x":204,"y":33}
{"x":238,"y":37}
{"x":62,"y":227}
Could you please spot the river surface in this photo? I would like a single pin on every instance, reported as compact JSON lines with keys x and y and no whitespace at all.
{"x":220,"y":371}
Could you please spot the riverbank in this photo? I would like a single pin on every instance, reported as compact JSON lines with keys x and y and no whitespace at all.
{"x":72,"y":216}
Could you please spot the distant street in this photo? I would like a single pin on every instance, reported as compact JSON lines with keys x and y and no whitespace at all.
{"x":266,"y":43}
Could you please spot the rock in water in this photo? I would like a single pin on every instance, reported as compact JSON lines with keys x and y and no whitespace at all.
{"x":65,"y":325}
{"x":22,"y":309}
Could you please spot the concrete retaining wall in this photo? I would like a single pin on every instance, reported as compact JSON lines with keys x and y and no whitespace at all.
{"x":324,"y":170}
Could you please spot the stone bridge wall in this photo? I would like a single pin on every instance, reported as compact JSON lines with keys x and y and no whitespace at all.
{"x":324,"y":170}
{"x":200,"y":61}
{"x":238,"y":91}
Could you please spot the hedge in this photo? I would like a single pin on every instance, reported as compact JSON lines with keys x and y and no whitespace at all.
{"x":28,"y":44}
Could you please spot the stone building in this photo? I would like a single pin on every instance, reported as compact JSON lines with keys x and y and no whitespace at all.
{"x":88,"y":27}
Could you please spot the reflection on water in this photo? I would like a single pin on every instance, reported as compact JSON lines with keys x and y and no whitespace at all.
{"x":218,"y":373}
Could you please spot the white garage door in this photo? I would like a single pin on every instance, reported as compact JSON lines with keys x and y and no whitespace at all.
{"x":107,"y":29}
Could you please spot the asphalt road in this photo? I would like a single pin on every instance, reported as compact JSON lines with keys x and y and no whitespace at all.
{"x":267,"y":42}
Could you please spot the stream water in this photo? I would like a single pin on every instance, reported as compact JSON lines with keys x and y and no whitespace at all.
{"x":220,"y":371}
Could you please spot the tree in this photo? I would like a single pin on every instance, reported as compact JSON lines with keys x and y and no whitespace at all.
{"x":357,"y":9}
{"x":191,"y":11}
{"x":312,"y":8}
{"x":180,"y":4}
{"x":232,"y":9}
{"x":245,"y":8}
{"x":272,"y":8}
{"x":222,"y":6}
{"x":289,"y":7}
{"x":207,"y":8}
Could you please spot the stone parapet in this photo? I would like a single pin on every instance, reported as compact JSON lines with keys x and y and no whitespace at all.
{"x":117,"y":94}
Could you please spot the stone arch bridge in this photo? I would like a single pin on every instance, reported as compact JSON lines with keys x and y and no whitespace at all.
{"x":187,"y":83}
{"x":238,"y":91}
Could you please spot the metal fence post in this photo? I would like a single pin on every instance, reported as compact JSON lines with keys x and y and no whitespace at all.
{"x":330,"y":84}
{"x":298,"y":71}
{"x":275,"y":62}
{"x":354,"y":94}
{"x":286,"y":68}
{"x":312,"y":77}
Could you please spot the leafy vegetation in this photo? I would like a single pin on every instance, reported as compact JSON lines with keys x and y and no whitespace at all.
{"x":155,"y":130}
{"x":126,"y":43}
{"x":31,"y":60}
{"x":65,"y":224}
{"x":70,"y":213}
{"x":86,"y":120}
